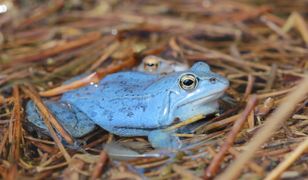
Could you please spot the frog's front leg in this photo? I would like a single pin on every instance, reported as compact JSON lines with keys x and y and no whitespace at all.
{"x":71,"y":118}
{"x":162,"y":139}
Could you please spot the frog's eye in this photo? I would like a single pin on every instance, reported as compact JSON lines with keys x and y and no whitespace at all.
{"x":188,"y":81}
{"x":151,"y":64}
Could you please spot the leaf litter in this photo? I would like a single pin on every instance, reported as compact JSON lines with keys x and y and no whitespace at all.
{"x":260,"y":48}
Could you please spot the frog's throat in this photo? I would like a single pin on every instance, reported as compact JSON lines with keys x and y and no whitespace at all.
{"x":167,"y":112}
{"x":199,"y":103}
{"x":203,"y":100}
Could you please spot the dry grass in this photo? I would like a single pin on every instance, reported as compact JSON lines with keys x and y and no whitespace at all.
{"x":262,"y":50}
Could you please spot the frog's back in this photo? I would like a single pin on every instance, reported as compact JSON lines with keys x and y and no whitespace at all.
{"x":114,"y":85}
{"x":119,"y":100}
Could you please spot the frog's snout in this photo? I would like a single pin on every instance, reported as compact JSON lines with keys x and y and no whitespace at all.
{"x":225,"y":82}
{"x":220,"y":82}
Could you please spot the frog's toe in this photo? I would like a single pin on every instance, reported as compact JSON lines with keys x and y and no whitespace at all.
{"x":164,"y":140}
{"x":73,"y":120}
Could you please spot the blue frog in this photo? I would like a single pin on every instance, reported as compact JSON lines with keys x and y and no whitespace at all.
{"x":137,"y":104}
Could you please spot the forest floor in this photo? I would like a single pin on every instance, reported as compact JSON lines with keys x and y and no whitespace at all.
{"x":261,"y":48}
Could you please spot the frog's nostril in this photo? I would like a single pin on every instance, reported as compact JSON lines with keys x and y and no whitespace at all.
{"x":213,"y":80}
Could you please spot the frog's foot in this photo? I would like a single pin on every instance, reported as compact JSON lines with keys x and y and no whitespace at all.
{"x":161,"y":139}
{"x":228,"y":99}
{"x":72,"y":119}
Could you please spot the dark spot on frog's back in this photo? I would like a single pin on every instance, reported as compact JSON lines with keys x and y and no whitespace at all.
{"x":128,"y":90}
{"x":86,"y":88}
{"x":130,"y":114}
{"x":123,"y":82}
{"x":141,"y":106}
{"x":108,"y":114}
{"x":93,"y":113}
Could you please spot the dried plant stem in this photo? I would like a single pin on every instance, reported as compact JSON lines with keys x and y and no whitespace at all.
{"x":252,"y":165}
{"x":273,"y":122}
{"x":297,"y":21}
{"x":50,"y":120}
{"x":17,"y":125}
{"x":41,"y":13}
{"x":1,"y":100}
{"x":45,"y":111}
{"x":186,"y":122}
{"x":221,"y":123}
{"x":12,"y":172}
{"x":67,"y":87}
{"x":215,"y":163}
{"x":185,"y":173}
{"x":85,"y":39}
{"x":3,"y":140}
{"x":214,"y":55}
{"x":60,"y":165}
{"x":274,"y":174}
{"x":275,"y":93}
{"x":97,"y":172}
{"x":109,"y":50}
{"x":249,"y":87}
{"x":92,"y":78}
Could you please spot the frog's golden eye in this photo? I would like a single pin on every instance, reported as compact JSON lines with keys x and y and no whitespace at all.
{"x":151,"y":64}
{"x":188,"y":81}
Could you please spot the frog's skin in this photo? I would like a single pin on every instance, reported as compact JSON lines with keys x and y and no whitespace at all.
{"x":156,"y":65}
{"x":137,"y":104}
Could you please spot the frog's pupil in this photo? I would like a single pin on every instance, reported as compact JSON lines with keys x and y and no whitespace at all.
{"x":188,"y":82}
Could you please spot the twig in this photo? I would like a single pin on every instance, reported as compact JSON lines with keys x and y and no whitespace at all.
{"x":215,"y":163}
{"x":186,"y":174}
{"x":221,"y":123}
{"x":12,"y":172}
{"x":41,"y":13}
{"x":97,"y":172}
{"x":60,"y":165}
{"x":249,"y":87}
{"x":275,"y":93}
{"x":92,"y":78}
{"x":272,"y":123}
{"x":252,"y":165}
{"x":2,"y":100}
{"x":272,"y":77}
{"x":17,"y":125}
{"x":212,"y":54}
{"x":74,"y":85}
{"x":186,"y":122}
{"x":167,"y":22}
{"x":4,"y":140}
{"x":109,"y":50}
{"x":85,"y":39}
{"x":50,"y":120}
{"x":297,"y":21}
{"x":73,"y":169}
{"x":274,"y":174}
{"x":49,"y":116}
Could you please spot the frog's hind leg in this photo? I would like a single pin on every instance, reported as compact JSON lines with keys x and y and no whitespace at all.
{"x":72,"y":119}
